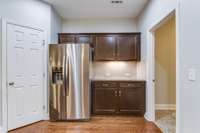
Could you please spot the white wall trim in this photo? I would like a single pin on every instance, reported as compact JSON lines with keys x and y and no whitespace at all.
{"x":4,"y":71}
{"x":1,"y":73}
{"x":178,"y":112}
{"x":1,"y":130}
{"x":4,"y":77}
{"x":150,"y":76}
{"x":165,"y":107}
{"x":146,"y":116}
{"x":150,"y":69}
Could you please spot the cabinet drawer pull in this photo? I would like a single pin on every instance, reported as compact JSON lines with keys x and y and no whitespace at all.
{"x":105,"y":85}
{"x":120,"y":93}
{"x":116,"y":93}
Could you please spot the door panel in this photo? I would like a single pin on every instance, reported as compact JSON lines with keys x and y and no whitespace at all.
{"x":78,"y":88}
{"x":83,"y":39}
{"x":131,"y":100}
{"x":24,"y":75}
{"x":35,"y":72}
{"x":105,"y":100}
{"x":67,"y":39}
{"x":87,"y":39}
{"x":127,"y":48}
{"x":105,"y":48}
{"x":57,"y":86}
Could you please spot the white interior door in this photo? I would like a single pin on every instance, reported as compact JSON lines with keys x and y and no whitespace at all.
{"x":24,"y":75}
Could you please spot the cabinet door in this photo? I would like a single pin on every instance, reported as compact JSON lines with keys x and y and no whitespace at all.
{"x":131,"y":101}
{"x":128,"y":47}
{"x":66,"y":39}
{"x":105,"y":101}
{"x":85,"y":39}
{"x":105,"y":48}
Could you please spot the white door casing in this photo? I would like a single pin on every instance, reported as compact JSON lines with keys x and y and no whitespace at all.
{"x":24,"y":75}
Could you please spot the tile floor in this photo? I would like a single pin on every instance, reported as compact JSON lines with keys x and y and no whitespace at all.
{"x":166,"y":120}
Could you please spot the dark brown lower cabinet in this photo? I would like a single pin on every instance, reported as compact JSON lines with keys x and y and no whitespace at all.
{"x":101,"y":95}
{"x":131,"y":101}
{"x":118,"y":98}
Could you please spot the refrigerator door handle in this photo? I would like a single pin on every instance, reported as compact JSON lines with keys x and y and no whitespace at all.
{"x":66,"y":75}
{"x":67,"y":78}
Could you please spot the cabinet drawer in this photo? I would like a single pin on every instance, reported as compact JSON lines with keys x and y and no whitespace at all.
{"x":105,"y":84}
{"x":131,"y":85}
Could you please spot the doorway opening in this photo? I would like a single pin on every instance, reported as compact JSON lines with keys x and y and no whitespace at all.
{"x":165,"y":74}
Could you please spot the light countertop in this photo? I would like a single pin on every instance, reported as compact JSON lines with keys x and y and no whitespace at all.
{"x":116,"y":79}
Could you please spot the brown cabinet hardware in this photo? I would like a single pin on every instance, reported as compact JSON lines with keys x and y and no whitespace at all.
{"x":120,"y":93}
{"x":116,"y":93}
{"x":105,"y":85}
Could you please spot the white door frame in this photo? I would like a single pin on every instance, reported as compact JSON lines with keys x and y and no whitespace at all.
{"x":4,"y":72}
{"x":151,"y":71}
{"x":152,"y":48}
{"x":1,"y":129}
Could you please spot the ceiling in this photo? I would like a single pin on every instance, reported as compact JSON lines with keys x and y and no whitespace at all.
{"x":78,"y":9}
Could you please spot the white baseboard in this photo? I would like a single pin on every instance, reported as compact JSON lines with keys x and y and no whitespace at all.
{"x":147,"y":118}
{"x":165,"y":106}
{"x":1,"y":130}
{"x":46,"y":117}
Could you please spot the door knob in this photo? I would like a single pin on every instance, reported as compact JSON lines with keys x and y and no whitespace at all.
{"x":11,"y":83}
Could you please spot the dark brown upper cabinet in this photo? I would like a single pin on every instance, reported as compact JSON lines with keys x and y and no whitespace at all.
{"x":76,"y":38}
{"x":66,"y":39}
{"x":105,"y":48}
{"x":128,"y":48}
{"x":85,"y":39}
{"x":118,"y":47}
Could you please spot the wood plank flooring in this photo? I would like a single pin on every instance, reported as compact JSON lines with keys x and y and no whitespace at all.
{"x":99,"y":124}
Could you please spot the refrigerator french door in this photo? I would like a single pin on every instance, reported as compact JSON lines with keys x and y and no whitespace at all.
{"x":69,"y":82}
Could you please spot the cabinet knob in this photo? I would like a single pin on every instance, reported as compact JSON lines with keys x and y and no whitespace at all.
{"x":120,"y":93}
{"x":11,"y":83}
{"x":116,"y":93}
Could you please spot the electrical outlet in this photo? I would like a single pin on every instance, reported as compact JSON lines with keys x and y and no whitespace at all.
{"x":191,"y":74}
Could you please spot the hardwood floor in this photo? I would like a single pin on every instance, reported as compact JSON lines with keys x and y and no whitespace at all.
{"x":99,"y":124}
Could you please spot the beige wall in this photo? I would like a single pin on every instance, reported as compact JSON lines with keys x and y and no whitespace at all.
{"x":165,"y":63}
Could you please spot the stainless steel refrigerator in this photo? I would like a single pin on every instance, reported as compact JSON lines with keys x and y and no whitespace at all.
{"x":69,"y":95}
